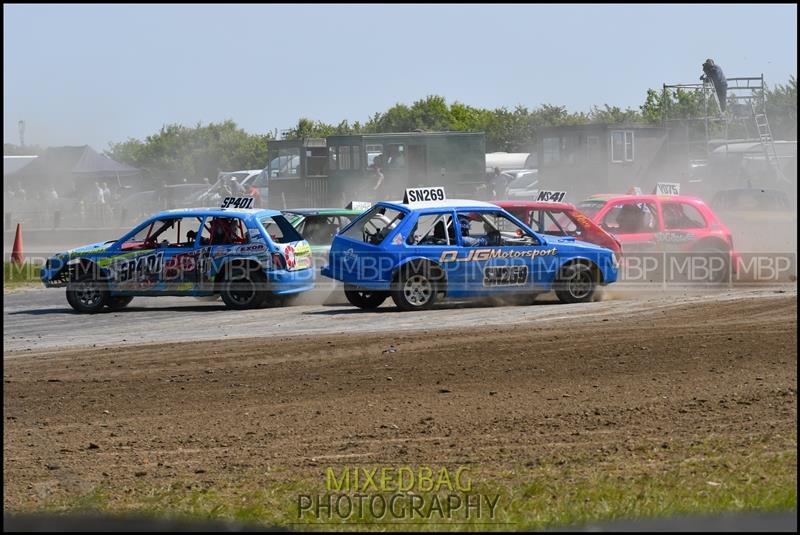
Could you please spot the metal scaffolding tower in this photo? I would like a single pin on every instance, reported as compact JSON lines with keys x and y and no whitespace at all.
{"x":744,"y":120}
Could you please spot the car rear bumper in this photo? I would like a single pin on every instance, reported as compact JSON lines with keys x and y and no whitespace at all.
{"x":289,"y":282}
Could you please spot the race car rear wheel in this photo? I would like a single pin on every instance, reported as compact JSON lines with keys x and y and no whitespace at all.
{"x":718,"y":261}
{"x":365,"y":299}
{"x":244,"y":291}
{"x":87,"y":296}
{"x":576,"y":283}
{"x":414,"y":291}
{"x":119,"y":302}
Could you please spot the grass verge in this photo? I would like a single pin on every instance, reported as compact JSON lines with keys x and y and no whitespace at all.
{"x":16,"y":276}
{"x":702,"y":479}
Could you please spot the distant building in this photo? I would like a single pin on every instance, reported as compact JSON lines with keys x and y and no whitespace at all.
{"x":595,"y":158}
{"x":12,"y":164}
{"x":339,"y":169}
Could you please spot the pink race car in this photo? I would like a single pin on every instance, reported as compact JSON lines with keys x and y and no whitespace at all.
{"x":662,"y":224}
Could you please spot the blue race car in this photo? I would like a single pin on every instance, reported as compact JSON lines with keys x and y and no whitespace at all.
{"x":249,"y":257}
{"x":416,"y":252}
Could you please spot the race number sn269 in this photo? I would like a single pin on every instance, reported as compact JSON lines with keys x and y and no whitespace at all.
{"x":424,"y":194}
{"x":237,"y":202}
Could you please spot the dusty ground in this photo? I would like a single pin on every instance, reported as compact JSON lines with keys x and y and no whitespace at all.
{"x":582,"y":390}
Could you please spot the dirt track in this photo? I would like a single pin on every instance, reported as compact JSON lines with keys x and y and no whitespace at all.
{"x":582,"y":388}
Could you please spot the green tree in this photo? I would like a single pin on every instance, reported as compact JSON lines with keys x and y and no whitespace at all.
{"x":9,"y":149}
{"x":202,"y":151}
{"x":781,"y":103}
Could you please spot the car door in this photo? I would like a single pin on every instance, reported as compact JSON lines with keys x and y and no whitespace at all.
{"x":683,"y":224}
{"x":133,"y":265}
{"x":502,"y":256}
{"x":178,"y":241}
{"x":634,"y":223}
{"x":433,"y":236}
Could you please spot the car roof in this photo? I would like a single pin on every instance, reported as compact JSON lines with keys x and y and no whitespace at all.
{"x":535,"y":204}
{"x":449,"y":203}
{"x":322,"y":211}
{"x":626,"y":197}
{"x":217,"y":212}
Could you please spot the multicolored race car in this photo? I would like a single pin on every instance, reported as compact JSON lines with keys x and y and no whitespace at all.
{"x":249,"y":257}
{"x":560,"y":219}
{"x":419,"y":250}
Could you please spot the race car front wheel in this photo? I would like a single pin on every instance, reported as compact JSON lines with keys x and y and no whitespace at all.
{"x":119,"y":302}
{"x":364,"y":298}
{"x":245,"y":291}
{"x":576,"y":283}
{"x":87,"y":296}
{"x":414,"y":291}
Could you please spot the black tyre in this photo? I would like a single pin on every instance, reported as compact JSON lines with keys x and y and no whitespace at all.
{"x":246,"y":290}
{"x":119,"y":302}
{"x":365,"y":299}
{"x":87,"y":296}
{"x":415,"y":289}
{"x":720,"y":274}
{"x":576,"y":283}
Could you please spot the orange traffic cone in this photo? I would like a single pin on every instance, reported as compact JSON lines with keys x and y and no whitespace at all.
{"x":16,"y":252}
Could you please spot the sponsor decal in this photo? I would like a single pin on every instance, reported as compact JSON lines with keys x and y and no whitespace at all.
{"x":477,"y":255}
{"x":288,"y":254}
{"x":251,"y":248}
{"x":141,"y":268}
{"x":424,"y":194}
{"x":674,"y":237}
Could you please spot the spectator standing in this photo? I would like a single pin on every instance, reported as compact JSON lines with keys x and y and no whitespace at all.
{"x":100,"y":202}
{"x":108,"y":199}
{"x":236,"y":187}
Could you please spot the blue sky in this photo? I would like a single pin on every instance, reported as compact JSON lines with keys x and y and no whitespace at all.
{"x":91,"y":74}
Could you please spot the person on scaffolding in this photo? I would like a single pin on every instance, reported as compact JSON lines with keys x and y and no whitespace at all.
{"x":712,"y":72}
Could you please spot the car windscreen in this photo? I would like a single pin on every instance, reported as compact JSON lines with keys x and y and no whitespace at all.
{"x":280,"y":230}
{"x":524,"y":181}
{"x":373,"y":226}
{"x":590,"y":208}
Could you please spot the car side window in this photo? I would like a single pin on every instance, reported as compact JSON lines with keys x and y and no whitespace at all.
{"x":373,"y":226}
{"x":631,"y":218}
{"x":433,"y":229}
{"x":280,"y":230}
{"x":320,"y":230}
{"x":223,"y":231}
{"x":492,"y":229}
{"x":678,"y":215}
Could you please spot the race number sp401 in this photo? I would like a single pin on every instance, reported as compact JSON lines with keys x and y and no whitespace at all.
{"x":237,"y":202}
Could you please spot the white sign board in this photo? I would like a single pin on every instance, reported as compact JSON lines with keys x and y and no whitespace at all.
{"x":358,"y":205}
{"x":550,"y":196}
{"x":413,"y":195}
{"x":668,"y":188}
